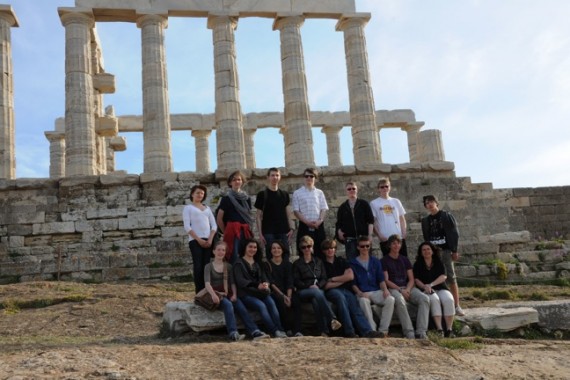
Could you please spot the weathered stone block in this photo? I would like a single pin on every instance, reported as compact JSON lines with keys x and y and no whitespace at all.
{"x":466,"y":271}
{"x":491,"y":318}
{"x":116,"y":274}
{"x":137,"y":222}
{"x":551,"y":314}
{"x":106,"y":213}
{"x":168,"y":232}
{"x":53,"y":228}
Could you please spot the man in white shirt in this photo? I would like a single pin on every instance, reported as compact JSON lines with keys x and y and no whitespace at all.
{"x":310,"y":207}
{"x":389,"y":217}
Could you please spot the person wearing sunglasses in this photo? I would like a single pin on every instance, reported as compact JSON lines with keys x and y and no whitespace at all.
{"x":354,"y":218}
{"x":310,"y":208}
{"x":370,"y":286}
{"x":389,"y":217}
{"x":310,"y":278}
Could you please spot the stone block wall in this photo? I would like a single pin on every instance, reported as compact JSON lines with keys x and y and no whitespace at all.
{"x":116,"y":227}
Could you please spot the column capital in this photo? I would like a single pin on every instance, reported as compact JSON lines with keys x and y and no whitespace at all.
{"x":54,"y":136}
{"x":69,"y":15}
{"x":287,"y":19}
{"x":411,"y":127}
{"x":201,"y":133}
{"x":331,"y":128}
{"x":7,"y":13}
{"x":352,"y":19}
{"x":214,"y":18}
{"x":152,"y":18}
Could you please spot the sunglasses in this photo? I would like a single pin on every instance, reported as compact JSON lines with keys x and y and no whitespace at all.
{"x":364,"y":246}
{"x":383,"y":187}
{"x":329,"y":248}
{"x":309,"y":176}
{"x":351,"y":189}
{"x":306,"y":246}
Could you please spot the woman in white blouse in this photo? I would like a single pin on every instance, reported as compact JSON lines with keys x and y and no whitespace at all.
{"x":200,"y":225}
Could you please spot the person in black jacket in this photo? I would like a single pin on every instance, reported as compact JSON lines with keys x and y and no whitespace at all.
{"x":440,"y":229}
{"x":354,"y":218}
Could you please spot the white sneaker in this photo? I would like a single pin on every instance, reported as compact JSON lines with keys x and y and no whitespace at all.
{"x":459,"y":311}
{"x":236,"y":337}
{"x":335,"y":325}
{"x":257,"y":335}
{"x":298,"y":334}
{"x":280,"y":334}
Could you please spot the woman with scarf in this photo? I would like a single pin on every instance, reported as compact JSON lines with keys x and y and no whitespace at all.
{"x":234,"y":218}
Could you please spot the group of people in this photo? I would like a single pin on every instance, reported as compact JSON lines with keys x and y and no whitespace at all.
{"x":239,"y":278}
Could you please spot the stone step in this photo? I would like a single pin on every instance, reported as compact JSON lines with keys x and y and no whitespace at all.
{"x":551,"y":314}
{"x":502,"y":319}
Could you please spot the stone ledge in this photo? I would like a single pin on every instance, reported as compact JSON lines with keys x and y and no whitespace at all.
{"x":551,"y":314}
{"x":502,"y":319}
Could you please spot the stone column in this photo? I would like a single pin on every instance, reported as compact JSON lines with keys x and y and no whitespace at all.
{"x":7,"y":140}
{"x":298,"y":136}
{"x":283,"y":132}
{"x":56,"y":154}
{"x":249,"y":148}
{"x":365,"y":137}
{"x":202,"y":144}
{"x":156,"y":113}
{"x":431,"y":145}
{"x":80,"y":149}
{"x":229,"y":122}
{"x":412,"y":130}
{"x":333,"y":144}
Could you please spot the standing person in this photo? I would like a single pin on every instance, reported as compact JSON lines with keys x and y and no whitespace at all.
{"x":440,"y":228}
{"x":353,"y":219}
{"x":274,"y":221}
{"x":253,"y":287}
{"x":339,"y":291}
{"x":234,"y":218}
{"x":280,"y":274}
{"x":310,"y":207}
{"x":400,"y":281}
{"x":310,"y":277}
{"x":430,"y":277}
{"x":214,"y":273}
{"x":370,"y":286}
{"x":389,"y":217}
{"x":200,"y":225}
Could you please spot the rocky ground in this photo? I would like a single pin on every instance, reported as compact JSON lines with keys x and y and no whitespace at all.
{"x":51,"y":330}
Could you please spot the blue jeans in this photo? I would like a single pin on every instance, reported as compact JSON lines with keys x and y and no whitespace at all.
{"x":290,"y":316}
{"x":270,"y":238}
{"x":241,"y":310}
{"x":200,"y":257}
{"x":322,"y":309}
{"x":267,"y":309}
{"x":350,"y":250}
{"x":349,"y":311}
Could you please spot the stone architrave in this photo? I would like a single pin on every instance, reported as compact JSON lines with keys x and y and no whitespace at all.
{"x":202,"y":150}
{"x":56,"y":154}
{"x":80,"y":147}
{"x":412,"y":130}
{"x":298,"y":135}
{"x":229,"y":122}
{"x":431,"y":145}
{"x":7,"y":143}
{"x":333,"y":144}
{"x":156,"y":113}
{"x":365,"y":137}
{"x":249,"y":148}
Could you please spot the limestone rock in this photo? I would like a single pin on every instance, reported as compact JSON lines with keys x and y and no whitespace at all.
{"x":551,"y":314}
{"x":502,"y":319}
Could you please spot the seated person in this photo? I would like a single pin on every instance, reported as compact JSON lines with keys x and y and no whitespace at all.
{"x":370,"y":287}
{"x":214,"y":274}
{"x":430,"y":276}
{"x":400,"y":280}
{"x":339,"y":291}
{"x":280,"y":274}
{"x":253,"y":287}
{"x":310,"y":277}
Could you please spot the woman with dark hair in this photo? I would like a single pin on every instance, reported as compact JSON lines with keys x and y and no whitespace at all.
{"x":280,"y":274}
{"x":310,"y":278}
{"x":430,"y":276}
{"x":253,"y":287}
{"x":200,"y":225}
{"x":234,"y":217}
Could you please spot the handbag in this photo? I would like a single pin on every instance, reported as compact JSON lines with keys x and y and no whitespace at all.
{"x":204,"y":299}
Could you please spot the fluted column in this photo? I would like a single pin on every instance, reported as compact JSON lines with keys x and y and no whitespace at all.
{"x":333,"y":144}
{"x":56,"y":153}
{"x":283,"y":132}
{"x":7,"y":140}
{"x":229,"y":123}
{"x":249,"y":148}
{"x":298,"y":136}
{"x":412,"y":130}
{"x":201,"y":141}
{"x":156,"y":112}
{"x":365,"y":138}
{"x":80,"y":149}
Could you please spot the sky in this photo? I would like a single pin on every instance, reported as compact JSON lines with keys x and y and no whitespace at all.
{"x":493,"y":76}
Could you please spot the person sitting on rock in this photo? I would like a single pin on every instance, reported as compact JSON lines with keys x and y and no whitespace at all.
{"x":253,"y":287}
{"x":214,"y":274}
{"x":400,"y":280}
{"x":370,"y":286}
{"x":430,"y":276}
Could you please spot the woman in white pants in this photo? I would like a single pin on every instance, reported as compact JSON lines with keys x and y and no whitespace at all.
{"x":430,"y":276}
